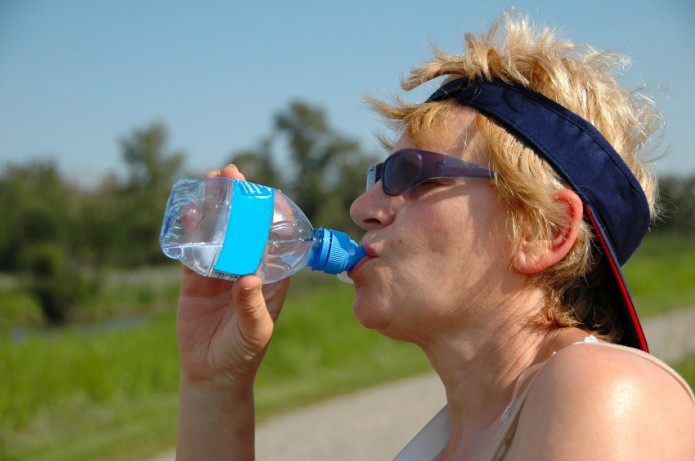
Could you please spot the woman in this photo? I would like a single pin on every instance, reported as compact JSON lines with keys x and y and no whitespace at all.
{"x":495,"y":233}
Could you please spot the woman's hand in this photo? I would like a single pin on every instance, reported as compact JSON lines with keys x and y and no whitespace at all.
{"x":223,"y":331}
{"x":224,"y":327}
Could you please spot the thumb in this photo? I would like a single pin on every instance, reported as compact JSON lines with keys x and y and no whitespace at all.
{"x":255,"y":323}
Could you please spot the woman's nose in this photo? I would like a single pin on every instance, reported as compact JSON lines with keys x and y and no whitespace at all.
{"x":373,"y":209}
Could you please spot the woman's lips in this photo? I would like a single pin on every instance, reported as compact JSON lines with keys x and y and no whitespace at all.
{"x":358,"y":266}
{"x":370,"y":254}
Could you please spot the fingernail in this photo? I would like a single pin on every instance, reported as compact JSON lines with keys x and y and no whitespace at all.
{"x":249,"y":291}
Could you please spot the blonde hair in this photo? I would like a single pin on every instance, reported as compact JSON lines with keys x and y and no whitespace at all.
{"x":579,"y":78}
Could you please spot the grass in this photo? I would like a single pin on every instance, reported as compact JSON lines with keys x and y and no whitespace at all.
{"x":82,"y":394}
{"x":108,"y":391}
{"x":111,"y":394}
{"x":661,"y":274}
{"x":318,"y":351}
{"x":686,"y":368}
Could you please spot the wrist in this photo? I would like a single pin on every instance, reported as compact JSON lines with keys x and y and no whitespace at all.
{"x":215,"y":422}
{"x":218,"y":394}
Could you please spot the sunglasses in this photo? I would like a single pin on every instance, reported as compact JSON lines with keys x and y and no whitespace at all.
{"x":407,"y":168}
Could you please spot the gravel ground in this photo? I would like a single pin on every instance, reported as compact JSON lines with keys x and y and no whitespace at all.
{"x":375,"y":424}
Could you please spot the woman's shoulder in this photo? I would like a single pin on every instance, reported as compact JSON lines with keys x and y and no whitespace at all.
{"x":607,"y":402}
{"x":593,"y":366}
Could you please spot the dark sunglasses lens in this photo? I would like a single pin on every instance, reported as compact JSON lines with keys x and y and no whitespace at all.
{"x":401,"y":171}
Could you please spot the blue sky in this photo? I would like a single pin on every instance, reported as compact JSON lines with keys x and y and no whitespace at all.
{"x":78,"y":75}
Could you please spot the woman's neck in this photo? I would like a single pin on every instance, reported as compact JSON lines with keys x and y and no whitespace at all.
{"x":479,"y":374}
{"x":479,"y":362}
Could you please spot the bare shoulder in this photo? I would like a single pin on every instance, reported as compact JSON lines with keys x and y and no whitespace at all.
{"x":596,"y":402}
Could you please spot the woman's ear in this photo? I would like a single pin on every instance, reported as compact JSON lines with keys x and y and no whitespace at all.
{"x":537,"y":255}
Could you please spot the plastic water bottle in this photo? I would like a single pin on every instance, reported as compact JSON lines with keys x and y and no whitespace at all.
{"x":225,"y":228}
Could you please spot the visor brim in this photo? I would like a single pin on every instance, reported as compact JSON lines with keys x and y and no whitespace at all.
{"x":617,"y":290}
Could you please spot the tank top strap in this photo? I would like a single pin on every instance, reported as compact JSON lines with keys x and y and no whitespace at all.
{"x":511,"y":414}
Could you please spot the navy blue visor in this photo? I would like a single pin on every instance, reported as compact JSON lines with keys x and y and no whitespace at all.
{"x":614,"y":202}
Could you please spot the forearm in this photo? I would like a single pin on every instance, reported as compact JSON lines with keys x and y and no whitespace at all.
{"x":215,"y":425}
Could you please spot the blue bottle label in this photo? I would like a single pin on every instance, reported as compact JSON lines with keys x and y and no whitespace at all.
{"x":250,"y":217}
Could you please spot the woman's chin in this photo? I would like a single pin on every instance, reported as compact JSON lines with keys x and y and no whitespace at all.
{"x":369,"y":315}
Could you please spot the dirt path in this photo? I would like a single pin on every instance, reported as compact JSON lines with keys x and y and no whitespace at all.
{"x":375,"y":424}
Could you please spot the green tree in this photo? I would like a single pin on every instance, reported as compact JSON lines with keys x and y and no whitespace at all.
{"x":39,"y":233}
{"x":56,"y":279}
{"x":138,"y":206}
{"x":318,"y":154}
{"x":150,"y":166}
{"x":257,"y":164}
{"x":677,"y":197}
{"x":102,"y":229}
{"x":319,"y":168}
{"x":36,"y":206}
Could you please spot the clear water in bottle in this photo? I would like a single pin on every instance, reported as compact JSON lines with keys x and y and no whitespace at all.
{"x":227,"y":228}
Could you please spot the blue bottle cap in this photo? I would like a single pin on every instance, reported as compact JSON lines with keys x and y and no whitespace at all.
{"x":338,"y":252}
